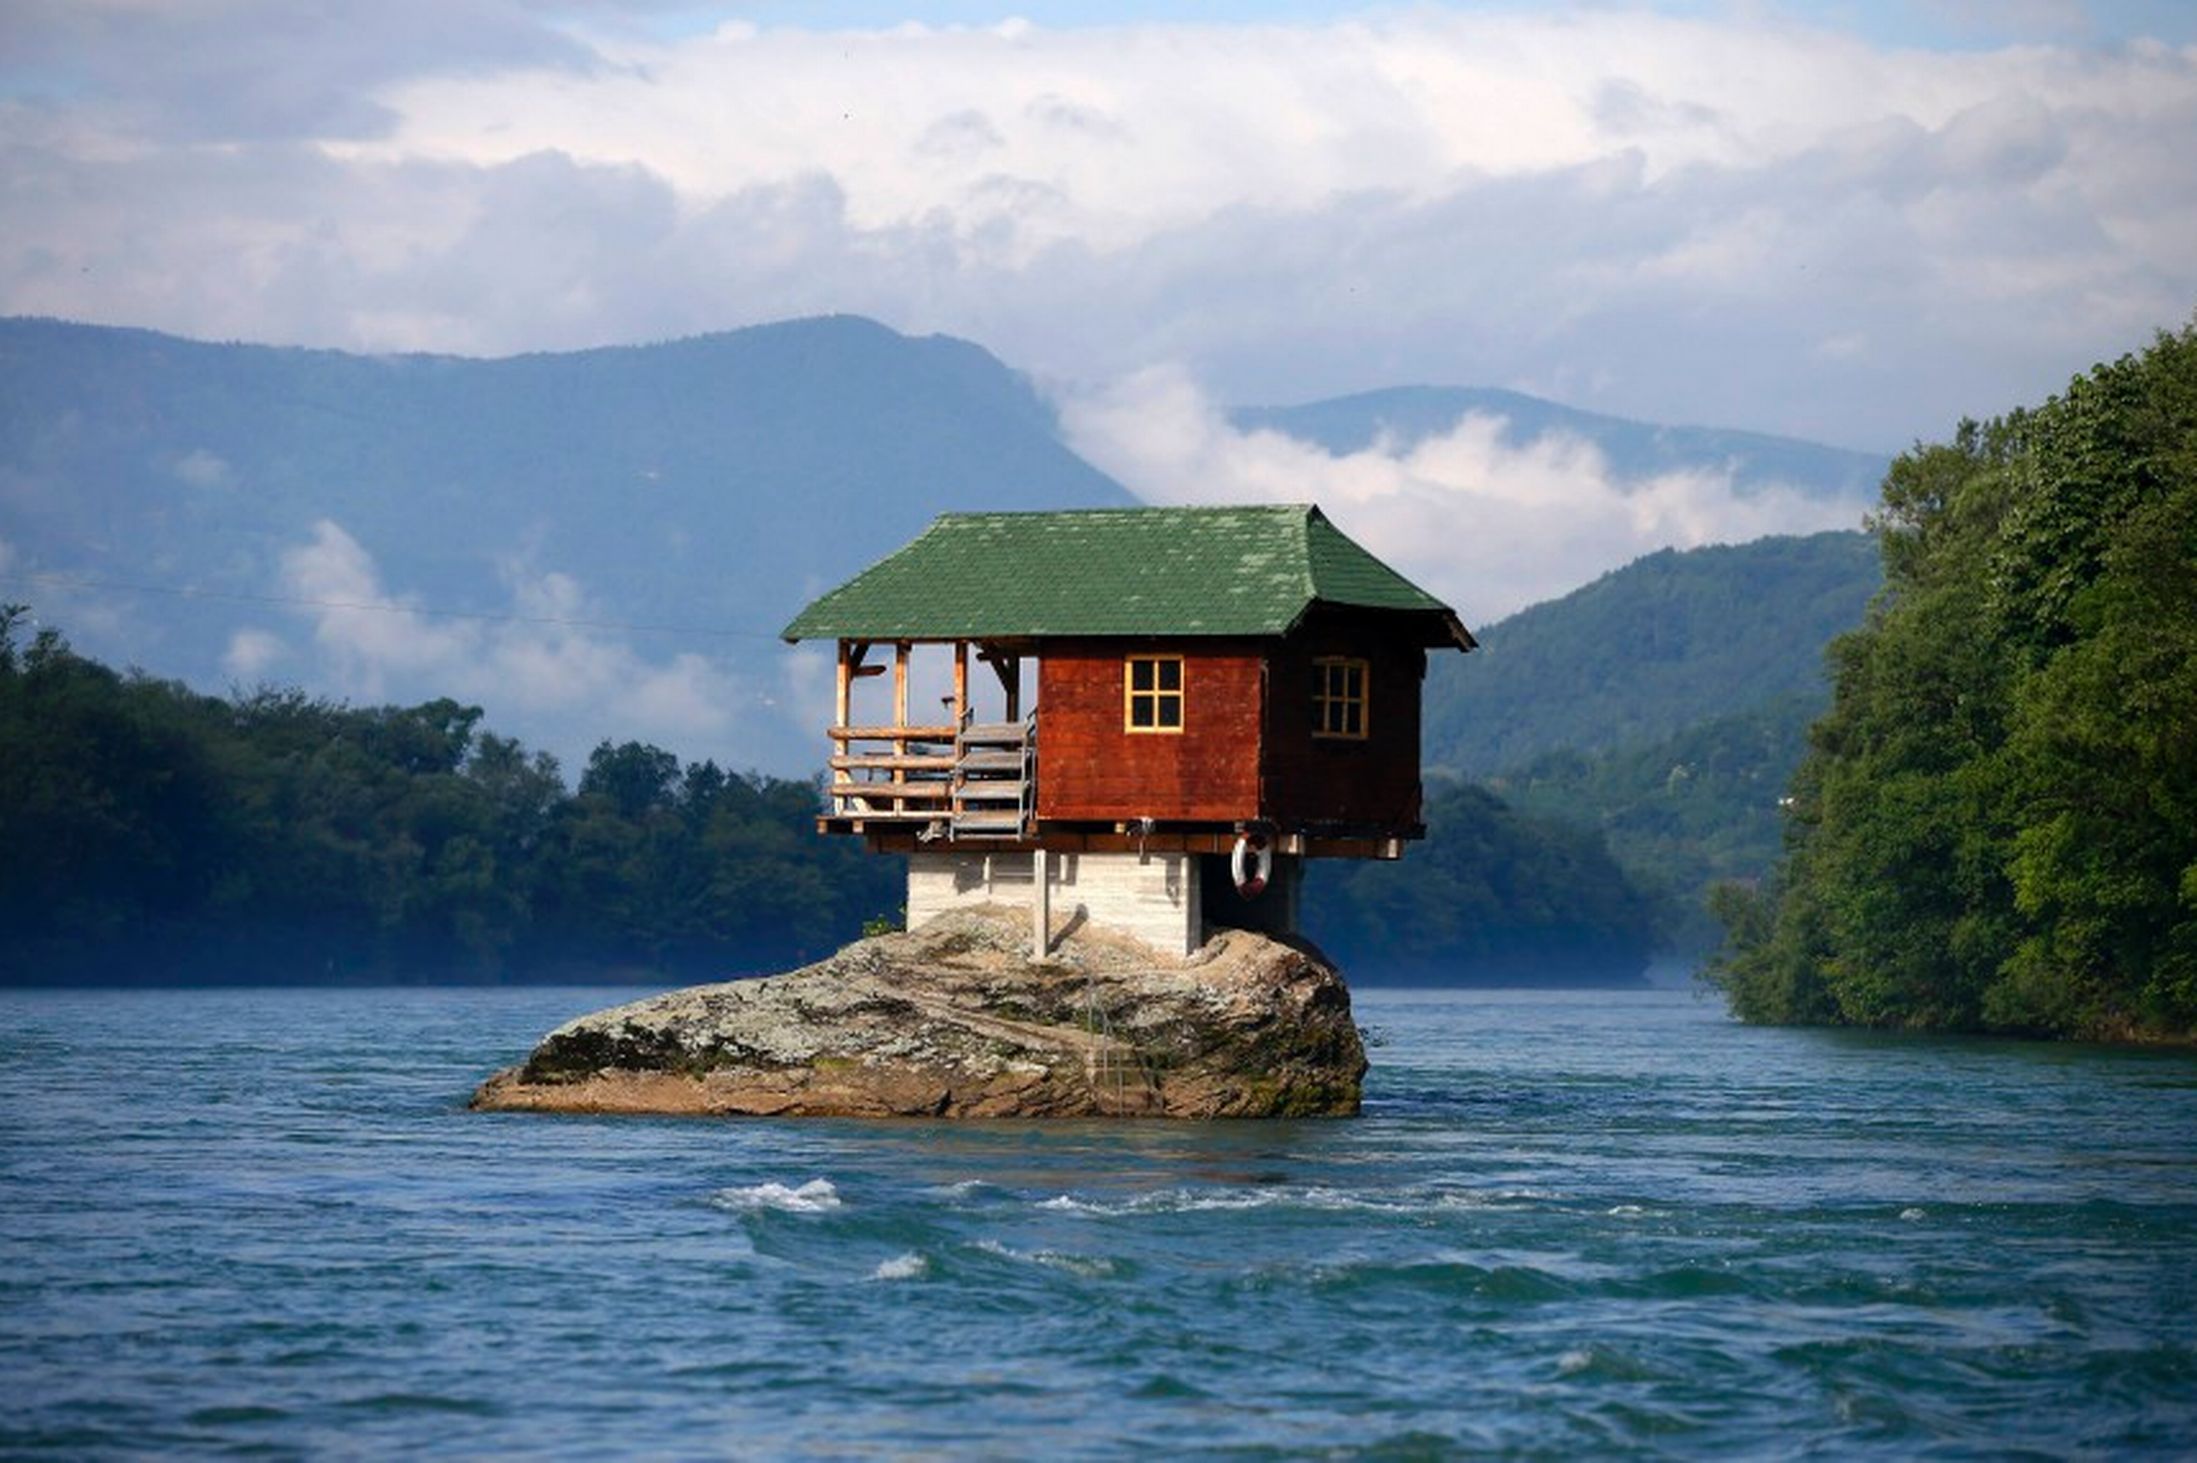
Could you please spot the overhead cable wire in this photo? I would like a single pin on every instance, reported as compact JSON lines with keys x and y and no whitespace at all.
{"x":61,"y":581}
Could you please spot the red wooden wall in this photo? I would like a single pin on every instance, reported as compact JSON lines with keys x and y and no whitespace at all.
{"x":1246,"y":750}
{"x":1091,"y":769}
{"x":1373,"y":781}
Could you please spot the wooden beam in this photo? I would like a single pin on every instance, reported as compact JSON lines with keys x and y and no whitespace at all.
{"x":961,"y":681}
{"x":900,"y":704}
{"x":1041,"y":908}
{"x":1009,"y":670}
{"x":893,"y":792}
{"x":913,"y":762}
{"x":844,"y":696}
{"x":892,"y":733}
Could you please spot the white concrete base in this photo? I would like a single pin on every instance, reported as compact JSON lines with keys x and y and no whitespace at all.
{"x":1149,"y":897}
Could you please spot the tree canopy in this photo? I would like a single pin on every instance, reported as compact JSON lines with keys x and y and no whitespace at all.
{"x":156,"y":834}
{"x":1995,"y":826}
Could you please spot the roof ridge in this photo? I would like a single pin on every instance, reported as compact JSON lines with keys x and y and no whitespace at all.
{"x":1131,"y":511}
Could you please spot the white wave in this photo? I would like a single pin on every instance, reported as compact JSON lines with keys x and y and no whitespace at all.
{"x":1089,"y":1266}
{"x":1181,"y":1201}
{"x":1910,"y":1215}
{"x":1573,"y":1362}
{"x":813,"y":1197}
{"x":910,"y":1266}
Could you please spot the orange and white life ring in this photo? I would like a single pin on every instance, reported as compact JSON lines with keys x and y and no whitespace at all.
{"x":1252,"y":863}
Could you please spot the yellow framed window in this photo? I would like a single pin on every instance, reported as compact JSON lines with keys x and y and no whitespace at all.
{"x":1339,"y":697}
{"x":1151,"y":690}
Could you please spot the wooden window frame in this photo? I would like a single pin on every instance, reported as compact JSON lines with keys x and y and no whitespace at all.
{"x":1325,"y":697}
{"x":1157,"y":693}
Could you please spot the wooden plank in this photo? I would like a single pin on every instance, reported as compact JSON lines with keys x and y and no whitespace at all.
{"x":891,"y":733}
{"x":997,"y":733}
{"x":886,"y":762}
{"x":989,"y":792}
{"x":894,"y":792}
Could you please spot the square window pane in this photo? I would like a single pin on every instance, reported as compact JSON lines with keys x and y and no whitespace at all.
{"x":1140,"y":675}
{"x":1170,"y":711}
{"x":1170,"y":675}
{"x":1140,"y":711}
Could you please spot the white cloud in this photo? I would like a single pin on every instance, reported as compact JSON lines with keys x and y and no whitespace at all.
{"x":199,"y":468}
{"x":1489,"y":526}
{"x":250,"y":652}
{"x":1666,"y":217}
{"x":573,"y":684}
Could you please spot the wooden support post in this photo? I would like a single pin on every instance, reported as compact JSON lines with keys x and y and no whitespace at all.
{"x":1010,"y":676}
{"x":961,"y":681}
{"x":844,"y":697}
{"x":900,"y":716}
{"x":1041,"y":907}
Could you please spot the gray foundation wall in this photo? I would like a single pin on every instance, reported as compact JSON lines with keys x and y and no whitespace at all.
{"x":1150,"y":897}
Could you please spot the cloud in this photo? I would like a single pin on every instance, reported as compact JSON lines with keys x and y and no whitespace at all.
{"x":1488,"y":525}
{"x":570,"y":683}
{"x":199,"y":468}
{"x":250,"y":653}
{"x":257,"y":70}
{"x":1741,"y":221}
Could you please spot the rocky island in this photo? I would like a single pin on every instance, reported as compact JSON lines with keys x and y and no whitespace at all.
{"x":954,"y":1019}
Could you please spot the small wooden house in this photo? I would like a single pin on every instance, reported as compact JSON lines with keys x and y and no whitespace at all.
{"x":1149,"y":716}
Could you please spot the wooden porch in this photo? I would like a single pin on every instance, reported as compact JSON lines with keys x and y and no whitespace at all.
{"x":962,"y":779}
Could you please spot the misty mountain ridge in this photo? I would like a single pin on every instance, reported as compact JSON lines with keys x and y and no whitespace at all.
{"x":1399,"y":418}
{"x":714,"y":482}
{"x":711,"y":484}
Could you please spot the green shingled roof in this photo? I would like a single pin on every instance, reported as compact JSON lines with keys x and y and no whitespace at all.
{"x":1117,"y":571}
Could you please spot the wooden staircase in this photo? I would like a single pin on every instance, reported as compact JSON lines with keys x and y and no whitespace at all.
{"x":994,"y":786}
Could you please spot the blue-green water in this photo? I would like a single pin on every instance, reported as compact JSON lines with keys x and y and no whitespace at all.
{"x":262,"y":1222}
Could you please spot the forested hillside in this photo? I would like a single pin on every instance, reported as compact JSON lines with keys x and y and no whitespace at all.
{"x":1682,"y":813}
{"x":154,"y":834}
{"x":1661,"y":708}
{"x":1996,"y":825}
{"x":1648,"y":651}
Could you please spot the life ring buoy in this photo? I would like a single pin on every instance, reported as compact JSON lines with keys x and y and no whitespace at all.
{"x":1252,"y":863}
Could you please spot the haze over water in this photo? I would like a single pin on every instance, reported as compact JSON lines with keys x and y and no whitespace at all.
{"x":262,"y":1221}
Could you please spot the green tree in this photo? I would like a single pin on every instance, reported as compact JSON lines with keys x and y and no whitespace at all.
{"x":1996,"y":822}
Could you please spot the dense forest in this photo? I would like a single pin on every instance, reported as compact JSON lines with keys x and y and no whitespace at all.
{"x":1493,"y":895}
{"x":1995,"y":826}
{"x":1683,"y":813}
{"x":152,"y":833}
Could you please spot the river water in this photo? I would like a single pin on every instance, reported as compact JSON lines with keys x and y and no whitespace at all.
{"x":262,"y":1222}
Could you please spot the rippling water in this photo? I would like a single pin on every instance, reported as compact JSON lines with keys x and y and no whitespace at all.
{"x":262,"y":1221}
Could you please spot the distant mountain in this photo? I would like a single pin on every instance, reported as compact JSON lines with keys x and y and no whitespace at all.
{"x":713,"y":482}
{"x":1404,"y":416}
{"x":1649,"y":650}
